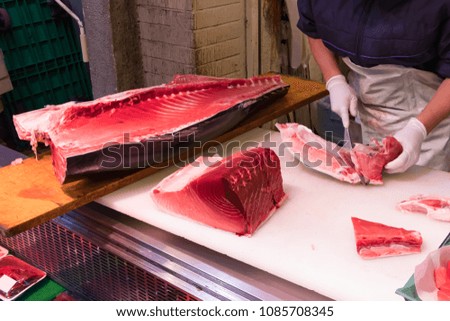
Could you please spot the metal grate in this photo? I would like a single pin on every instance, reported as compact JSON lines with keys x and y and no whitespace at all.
{"x":87,"y":269}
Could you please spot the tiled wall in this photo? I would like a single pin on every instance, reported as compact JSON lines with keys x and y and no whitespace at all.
{"x":219,"y":37}
{"x":191,"y":36}
{"x":174,"y":36}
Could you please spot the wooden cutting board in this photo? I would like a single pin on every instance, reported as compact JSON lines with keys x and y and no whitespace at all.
{"x":30,"y":193}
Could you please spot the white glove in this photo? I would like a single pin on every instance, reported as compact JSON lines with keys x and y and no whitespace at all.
{"x":411,"y":138}
{"x":342,"y":98}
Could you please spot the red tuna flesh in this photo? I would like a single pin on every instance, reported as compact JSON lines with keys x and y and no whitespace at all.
{"x":235,"y":194}
{"x":442,"y":281}
{"x":131,"y":129}
{"x":370,"y":160}
{"x":375,"y":240}
{"x":436,"y":207}
{"x":362,"y":162}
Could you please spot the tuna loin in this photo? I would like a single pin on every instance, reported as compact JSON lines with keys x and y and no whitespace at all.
{"x":361,"y":163}
{"x":140,"y":127}
{"x":375,"y":240}
{"x":435,"y":207}
{"x":236,"y":194}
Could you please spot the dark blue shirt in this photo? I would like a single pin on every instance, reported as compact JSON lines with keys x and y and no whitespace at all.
{"x":412,"y":33}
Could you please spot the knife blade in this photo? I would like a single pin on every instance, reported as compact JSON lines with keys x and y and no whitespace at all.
{"x":347,"y":141}
{"x":349,"y":146}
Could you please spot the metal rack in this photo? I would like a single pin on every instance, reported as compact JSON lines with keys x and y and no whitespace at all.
{"x":101,"y":254}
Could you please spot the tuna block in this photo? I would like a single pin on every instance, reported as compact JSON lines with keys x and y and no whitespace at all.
{"x":235,"y":194}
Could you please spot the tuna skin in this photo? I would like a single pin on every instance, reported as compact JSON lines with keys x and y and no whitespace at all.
{"x":235,"y":194}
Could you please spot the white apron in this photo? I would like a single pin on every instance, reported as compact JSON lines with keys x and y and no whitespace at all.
{"x":388,"y":96}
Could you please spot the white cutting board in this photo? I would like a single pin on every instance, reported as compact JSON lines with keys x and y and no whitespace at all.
{"x":309,"y":240}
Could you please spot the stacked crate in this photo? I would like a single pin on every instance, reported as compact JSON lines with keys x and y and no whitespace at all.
{"x":43,"y":57}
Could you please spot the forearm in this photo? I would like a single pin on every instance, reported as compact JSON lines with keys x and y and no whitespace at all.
{"x":438,"y":108}
{"x":324,"y":58}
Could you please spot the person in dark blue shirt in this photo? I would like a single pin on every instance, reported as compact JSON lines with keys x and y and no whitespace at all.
{"x":398,"y":53}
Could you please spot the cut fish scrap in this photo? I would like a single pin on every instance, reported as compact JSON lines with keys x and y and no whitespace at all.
{"x":235,"y":194}
{"x":374,"y":240}
{"x":361,"y":163}
{"x":435,"y":207}
{"x":132,"y":128}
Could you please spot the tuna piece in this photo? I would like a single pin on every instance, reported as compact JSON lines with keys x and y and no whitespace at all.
{"x":370,"y":160}
{"x":235,"y":194}
{"x":442,"y":281}
{"x":362,"y":163}
{"x":375,"y":240}
{"x":141,"y":127}
{"x":435,"y":207}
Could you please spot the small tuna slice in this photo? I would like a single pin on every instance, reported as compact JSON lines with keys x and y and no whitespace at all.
{"x":374,"y":240}
{"x":235,"y":194}
{"x":435,"y":207}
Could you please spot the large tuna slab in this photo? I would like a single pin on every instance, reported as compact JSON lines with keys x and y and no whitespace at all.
{"x":235,"y":194}
{"x":141,"y":127}
{"x":361,"y":164}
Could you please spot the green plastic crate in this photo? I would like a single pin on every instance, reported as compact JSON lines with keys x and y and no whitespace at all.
{"x":35,"y":36}
{"x":43,"y":58}
{"x":47,"y":83}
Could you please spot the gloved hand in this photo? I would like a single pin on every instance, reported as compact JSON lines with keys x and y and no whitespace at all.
{"x":411,"y":138}
{"x":342,"y":98}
